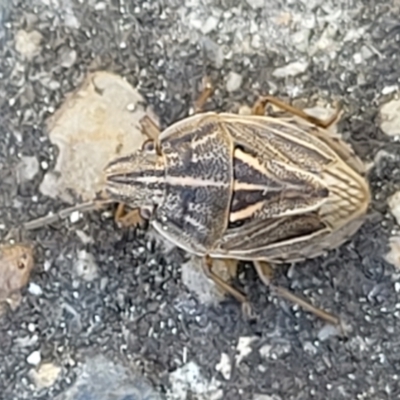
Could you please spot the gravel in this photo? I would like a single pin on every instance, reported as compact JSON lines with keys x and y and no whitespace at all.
{"x":134,"y":312}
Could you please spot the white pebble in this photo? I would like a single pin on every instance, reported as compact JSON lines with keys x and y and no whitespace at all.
{"x":266,"y":397}
{"x":293,"y":69}
{"x":100,"y":6}
{"x":47,"y":265}
{"x":233,"y":81}
{"x":243,"y":347}
{"x":394,"y":204}
{"x":75,"y":217}
{"x":357,"y":57}
{"x":256,"y":41}
{"x":254,"y":4}
{"x":326,"y":332}
{"x":27,"y":168}
{"x":389,"y":89}
{"x":224,"y":366}
{"x":28,"y":43}
{"x":46,"y":375}
{"x":390,"y":118}
{"x":393,"y":257}
{"x":34,"y":358}
{"x":210,"y":24}
{"x":85,"y":266}
{"x":35,"y":289}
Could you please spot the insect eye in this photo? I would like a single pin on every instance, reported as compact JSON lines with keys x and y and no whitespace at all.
{"x":146,"y":213}
{"x":148,"y":145}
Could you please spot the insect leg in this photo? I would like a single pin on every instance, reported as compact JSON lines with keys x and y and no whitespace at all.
{"x":204,"y":96}
{"x":261,"y":104}
{"x":207,"y":268}
{"x":132,"y":218}
{"x":265,"y":273}
{"x":149,"y":128}
{"x":49,"y":219}
{"x":152,"y":131}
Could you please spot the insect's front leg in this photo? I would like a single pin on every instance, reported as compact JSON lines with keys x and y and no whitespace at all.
{"x":265,"y":272}
{"x":132,"y":218}
{"x":261,"y":104}
{"x":204,"y":95}
{"x":207,"y":268}
{"x":149,"y":128}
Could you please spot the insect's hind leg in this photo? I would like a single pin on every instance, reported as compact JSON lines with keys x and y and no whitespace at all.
{"x":265,"y":273}
{"x":207,"y":268}
{"x":261,"y":104}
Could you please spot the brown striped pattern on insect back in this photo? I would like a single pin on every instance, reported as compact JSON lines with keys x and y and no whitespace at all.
{"x":271,"y":188}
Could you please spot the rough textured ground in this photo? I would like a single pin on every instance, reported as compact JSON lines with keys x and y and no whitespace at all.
{"x":134,"y":310}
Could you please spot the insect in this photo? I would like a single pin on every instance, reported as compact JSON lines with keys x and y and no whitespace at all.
{"x":257,"y":188}
{"x":247,"y":187}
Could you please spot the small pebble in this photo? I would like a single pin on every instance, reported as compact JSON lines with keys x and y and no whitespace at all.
{"x":266,"y":397}
{"x":75,"y":217}
{"x":327,"y":331}
{"x":35,"y":289}
{"x":86,"y":267}
{"x":256,"y":41}
{"x":34,"y":358}
{"x":188,"y":381}
{"x":243,"y":348}
{"x":46,"y":265}
{"x":393,"y":257}
{"x":390,"y":118}
{"x":301,"y":38}
{"x":100,"y":6}
{"x":27,"y":168}
{"x":224,"y":366}
{"x":394,"y":205}
{"x":358,"y":59}
{"x":389,"y":89}
{"x":233,"y":81}
{"x":210,"y":24}
{"x":46,"y":375}
{"x":28,"y":43}
{"x":254,"y":4}
{"x":68,"y":58}
{"x":293,"y":69}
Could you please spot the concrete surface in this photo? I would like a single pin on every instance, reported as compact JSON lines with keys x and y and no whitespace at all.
{"x":134,"y":310}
